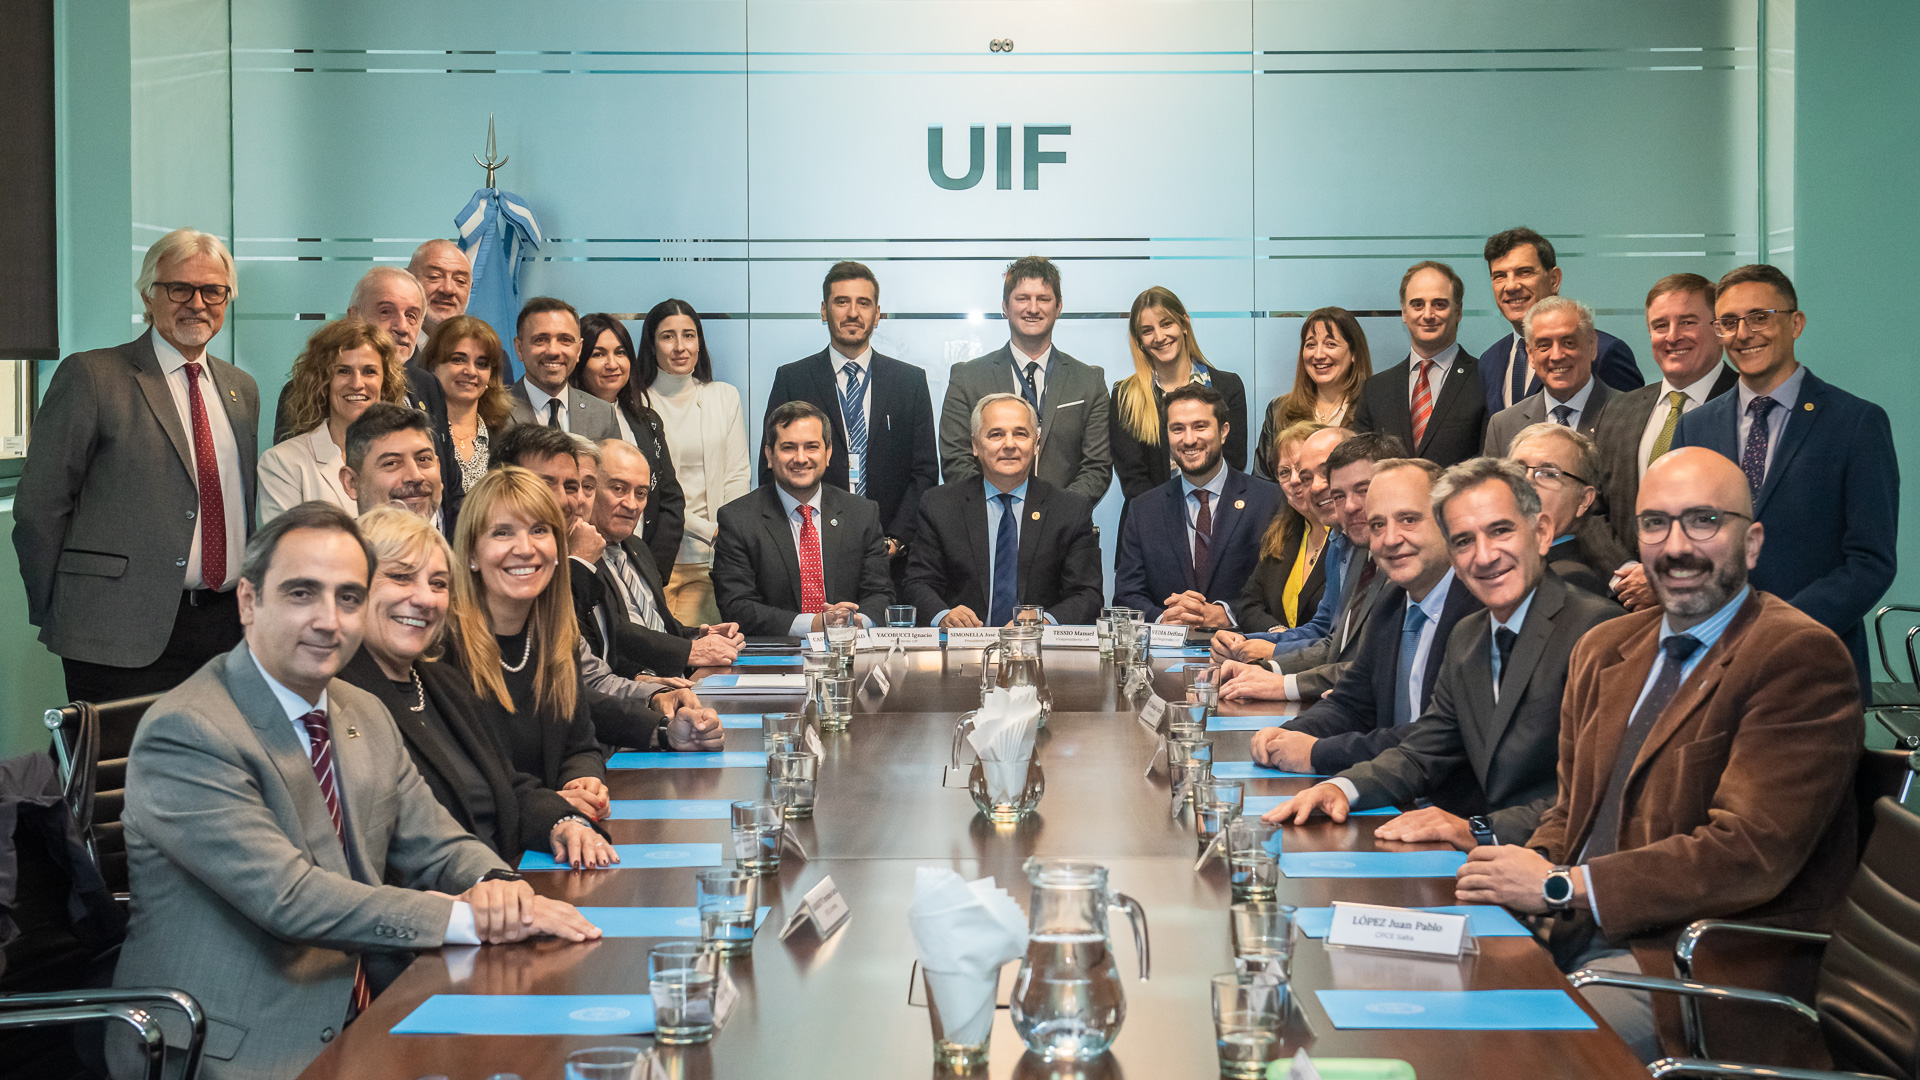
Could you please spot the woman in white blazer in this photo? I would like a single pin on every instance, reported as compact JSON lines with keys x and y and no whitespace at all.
{"x":347,"y":365}
{"x":706,"y":437}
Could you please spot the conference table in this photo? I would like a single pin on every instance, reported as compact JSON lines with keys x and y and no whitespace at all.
{"x":840,"y":1007}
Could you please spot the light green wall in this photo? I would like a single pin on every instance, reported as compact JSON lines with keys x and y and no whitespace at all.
{"x":1857,"y":157}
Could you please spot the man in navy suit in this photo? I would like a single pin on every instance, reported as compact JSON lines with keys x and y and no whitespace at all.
{"x":880,"y":409}
{"x":1430,"y":401}
{"x":1523,"y":268}
{"x":1189,"y":545}
{"x":1820,"y":463}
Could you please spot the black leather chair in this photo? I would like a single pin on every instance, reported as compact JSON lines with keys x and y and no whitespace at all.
{"x":90,"y":745}
{"x":131,"y":1006}
{"x":1867,"y":1006}
{"x":1899,"y":692}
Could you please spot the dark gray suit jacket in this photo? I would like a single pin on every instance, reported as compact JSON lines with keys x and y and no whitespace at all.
{"x":1617,"y":438}
{"x":1074,"y":453}
{"x":1512,"y":746}
{"x":586,"y":415}
{"x":1532,"y":410}
{"x":1318,"y":665}
{"x":104,"y":516}
{"x":756,"y":569}
{"x":635,"y":648}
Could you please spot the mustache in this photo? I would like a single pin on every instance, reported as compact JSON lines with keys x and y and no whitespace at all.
{"x":1668,"y":563}
{"x":415,"y":489}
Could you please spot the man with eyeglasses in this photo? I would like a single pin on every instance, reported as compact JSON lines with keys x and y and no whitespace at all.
{"x":1559,"y":461}
{"x":547,"y":339}
{"x":137,"y":492}
{"x":1561,"y":346}
{"x":1706,"y":764}
{"x":1819,"y":463}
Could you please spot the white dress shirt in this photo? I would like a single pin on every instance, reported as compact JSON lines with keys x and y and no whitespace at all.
{"x":856,"y":465}
{"x":226,"y":455}
{"x":1578,"y":403}
{"x":1433,"y":604}
{"x":1020,"y":362}
{"x":1436,"y":376}
{"x":619,"y":417}
{"x":1787,"y":398}
{"x":1516,"y":354}
{"x":1696,"y":393}
{"x":803,"y":622}
{"x":1191,"y":504}
{"x":460,"y":928}
{"x":540,"y":397}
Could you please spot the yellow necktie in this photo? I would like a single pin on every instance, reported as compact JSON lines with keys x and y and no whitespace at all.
{"x":1664,"y":441}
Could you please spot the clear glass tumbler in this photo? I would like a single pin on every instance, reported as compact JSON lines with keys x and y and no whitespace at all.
{"x":682,"y":976}
{"x":758,"y":829}
{"x":1248,"y":1013}
{"x":792,"y":777}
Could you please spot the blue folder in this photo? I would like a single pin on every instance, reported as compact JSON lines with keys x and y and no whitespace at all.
{"x":637,"y":857}
{"x":530,"y":1014}
{"x":1454,"y":1010}
{"x":792,"y":661}
{"x":654,"y":922}
{"x":1243,"y":770}
{"x":731,"y":720}
{"x":1255,"y":805}
{"x":1245,"y":723}
{"x":1184,"y":650}
{"x":1485,"y":920}
{"x":672,"y":810}
{"x":723,"y":759}
{"x":1371,"y":864}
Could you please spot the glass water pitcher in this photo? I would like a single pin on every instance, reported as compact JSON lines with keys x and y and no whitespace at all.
{"x":1014,"y":661}
{"x":1067,"y":1001}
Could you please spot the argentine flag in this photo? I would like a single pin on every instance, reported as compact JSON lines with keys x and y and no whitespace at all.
{"x":493,"y":228}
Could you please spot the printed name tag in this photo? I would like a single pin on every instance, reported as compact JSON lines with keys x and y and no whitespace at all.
{"x":864,"y":640}
{"x":1069,"y":637}
{"x":911,"y":637}
{"x":972,"y":637}
{"x":824,"y":905}
{"x":1153,"y":713}
{"x":1165,"y":636}
{"x":1370,"y":926}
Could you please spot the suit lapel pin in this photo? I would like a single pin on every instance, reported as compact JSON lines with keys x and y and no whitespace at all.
{"x":353,"y":732}
{"x":1808,"y":406}
{"x":1036,"y":515}
{"x":1239,"y":504}
{"x":833,"y":521}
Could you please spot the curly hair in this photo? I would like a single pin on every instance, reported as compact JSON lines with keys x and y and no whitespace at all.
{"x":307,"y":397}
{"x":495,"y":407}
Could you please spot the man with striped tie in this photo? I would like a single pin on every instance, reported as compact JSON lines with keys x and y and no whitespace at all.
{"x":879,"y":408}
{"x":1431,"y":400}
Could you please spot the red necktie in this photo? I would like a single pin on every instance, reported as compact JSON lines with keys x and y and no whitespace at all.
{"x":213,"y":506}
{"x":1422,"y":403}
{"x":1202,"y":539}
{"x":813,"y":583}
{"x":320,"y":738}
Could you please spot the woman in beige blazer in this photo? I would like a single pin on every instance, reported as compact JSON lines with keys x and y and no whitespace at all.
{"x":706,"y":437}
{"x":347,"y":365}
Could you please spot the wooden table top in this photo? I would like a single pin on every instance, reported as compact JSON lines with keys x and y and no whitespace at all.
{"x":839,"y":1009}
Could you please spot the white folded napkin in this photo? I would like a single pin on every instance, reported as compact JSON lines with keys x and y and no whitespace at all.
{"x":1002,"y":737}
{"x":964,"y":931}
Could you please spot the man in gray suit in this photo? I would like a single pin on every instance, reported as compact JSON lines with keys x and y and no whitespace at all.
{"x":547,"y":340}
{"x":1071,"y":397}
{"x":1561,"y":346}
{"x":268,"y":803}
{"x":1495,"y":713}
{"x":137,"y":492}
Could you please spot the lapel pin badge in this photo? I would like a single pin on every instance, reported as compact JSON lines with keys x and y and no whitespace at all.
{"x":1239,"y":504}
{"x":353,"y":732}
{"x":833,"y":521}
{"x":1036,"y":515}
{"x":1808,"y":406}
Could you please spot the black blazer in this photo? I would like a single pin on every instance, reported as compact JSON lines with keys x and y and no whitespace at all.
{"x":1616,"y":438}
{"x":1059,"y":554}
{"x":1142,"y":467}
{"x":1458,"y":425}
{"x":1574,"y":560}
{"x":636,"y":649}
{"x":1156,"y":562}
{"x":756,"y":569}
{"x":567,"y":747}
{"x":903,"y":458}
{"x":524,"y":810}
{"x":1263,"y":603}
{"x":664,"y":521}
{"x":1354,"y":721}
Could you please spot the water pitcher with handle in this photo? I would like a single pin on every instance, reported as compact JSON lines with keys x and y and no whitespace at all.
{"x":1014,"y":662}
{"x":1067,"y":1001}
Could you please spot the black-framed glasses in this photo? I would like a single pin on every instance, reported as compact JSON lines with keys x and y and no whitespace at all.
{"x":1757,"y":319}
{"x":181,"y":292}
{"x":1553,"y":476}
{"x":1699,"y":523}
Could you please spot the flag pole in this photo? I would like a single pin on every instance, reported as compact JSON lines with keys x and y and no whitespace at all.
{"x":494,"y":161}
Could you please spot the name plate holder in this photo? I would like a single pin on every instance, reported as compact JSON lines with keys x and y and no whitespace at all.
{"x":907,"y":637}
{"x":972,"y":637}
{"x":1153,"y":717}
{"x":863,"y":641}
{"x":1408,"y":931}
{"x":823,"y":907}
{"x":1166,"y":636}
{"x":1069,"y":637}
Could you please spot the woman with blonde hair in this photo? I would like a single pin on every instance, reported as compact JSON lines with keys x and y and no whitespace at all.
{"x":439,"y":717}
{"x":1286,"y":585}
{"x":514,"y":635}
{"x":347,"y":365}
{"x":1332,"y":365}
{"x":465,"y":355}
{"x":1165,"y":356}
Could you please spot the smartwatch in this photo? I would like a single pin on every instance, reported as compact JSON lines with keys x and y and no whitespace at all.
{"x":1557,"y":889}
{"x":1482,"y":831}
{"x":500,"y":875}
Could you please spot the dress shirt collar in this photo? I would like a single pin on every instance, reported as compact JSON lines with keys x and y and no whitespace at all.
{"x":840,"y":360}
{"x":1708,"y":631}
{"x":1019,"y":493}
{"x":1578,"y":402}
{"x":1213,"y":487}
{"x":293,"y":704}
{"x":1021,"y":359}
{"x":1435,"y":601}
{"x":1787,"y":394}
{"x":1699,"y":389}
{"x":792,"y":505}
{"x":540,"y":397}
{"x":1444,"y":360}
{"x":1519,"y":617}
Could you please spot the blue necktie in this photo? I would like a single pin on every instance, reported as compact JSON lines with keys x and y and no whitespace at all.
{"x":1517,"y":362}
{"x":1030,"y":388}
{"x":853,"y":406}
{"x":1405,"y":709}
{"x":1006,"y":565}
{"x":1753,"y":458}
{"x":1563,"y":415}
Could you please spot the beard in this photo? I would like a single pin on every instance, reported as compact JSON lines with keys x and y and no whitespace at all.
{"x":1715,"y":587}
{"x":1207,"y":463}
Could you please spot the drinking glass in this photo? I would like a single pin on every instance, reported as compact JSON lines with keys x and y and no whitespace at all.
{"x":1216,"y":802}
{"x":725,"y":898}
{"x":781,"y":742}
{"x":955,"y":1052}
{"x":758,"y":829}
{"x":783,"y":723}
{"x":1028,"y":615}
{"x":900,"y":615}
{"x":1189,"y":762}
{"x":1103,"y":632}
{"x":1125,"y":637}
{"x":1186,"y":720}
{"x":1262,"y":937}
{"x":1203,"y":687}
{"x":842,"y":636}
{"x":1253,"y":858}
{"x":1248,"y":1010}
{"x":604,"y":1063}
{"x":836,"y":702}
{"x":813,"y":662}
{"x":682,"y":976}
{"x":792,"y":776}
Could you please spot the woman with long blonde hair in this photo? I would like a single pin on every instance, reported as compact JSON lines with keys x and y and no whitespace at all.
{"x":1166,"y":356}
{"x":1332,"y":364}
{"x":1285,"y":587}
{"x":347,"y":365}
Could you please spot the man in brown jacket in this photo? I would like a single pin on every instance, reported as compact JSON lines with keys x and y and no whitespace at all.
{"x":1707,"y":751}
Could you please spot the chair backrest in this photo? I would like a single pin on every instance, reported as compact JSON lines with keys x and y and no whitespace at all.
{"x":1868,"y":999}
{"x":93,"y":741}
{"x":1882,"y":774}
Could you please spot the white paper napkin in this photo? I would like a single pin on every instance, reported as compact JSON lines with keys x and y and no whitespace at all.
{"x":1002,"y":737}
{"x":963,"y":931}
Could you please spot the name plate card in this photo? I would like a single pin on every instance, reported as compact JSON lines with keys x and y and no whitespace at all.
{"x":1069,"y":637}
{"x":823,"y":906}
{"x":908,"y":637}
{"x":862,"y":641}
{"x":1370,"y":926}
{"x":972,"y":637}
{"x":1166,"y":636}
{"x":1153,"y":713}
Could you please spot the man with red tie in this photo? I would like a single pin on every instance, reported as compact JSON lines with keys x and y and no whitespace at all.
{"x":1431,"y":400}
{"x":791,"y":550}
{"x":138,"y":489}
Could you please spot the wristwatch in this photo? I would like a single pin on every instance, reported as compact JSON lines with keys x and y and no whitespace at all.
{"x":1557,"y":889}
{"x":501,"y":875}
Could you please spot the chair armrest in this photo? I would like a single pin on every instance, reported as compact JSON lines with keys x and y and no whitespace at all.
{"x":1690,"y":938}
{"x":1903,"y":740}
{"x":153,"y":1042}
{"x":1694,"y":990}
{"x":1700,"y":1067}
{"x":129,"y":997}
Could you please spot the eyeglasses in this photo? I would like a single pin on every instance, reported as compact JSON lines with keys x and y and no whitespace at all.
{"x":1758,"y":319}
{"x":1552,"y":476}
{"x":181,"y":292}
{"x":1699,"y":523}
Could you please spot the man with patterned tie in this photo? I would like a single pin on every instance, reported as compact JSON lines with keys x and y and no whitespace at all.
{"x":277,"y":830}
{"x":1819,"y":462}
{"x":988,"y":545}
{"x":137,"y":492}
{"x":1561,"y":343}
{"x":879,"y":407}
{"x":1430,"y":401}
{"x":1706,"y":762}
{"x":792,"y":549}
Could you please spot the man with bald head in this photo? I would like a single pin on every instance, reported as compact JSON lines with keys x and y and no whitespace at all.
{"x":446,"y":276}
{"x":393,"y":300}
{"x":1707,"y":749}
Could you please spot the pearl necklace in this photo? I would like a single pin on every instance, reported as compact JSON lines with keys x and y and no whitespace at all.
{"x":525,"y":655}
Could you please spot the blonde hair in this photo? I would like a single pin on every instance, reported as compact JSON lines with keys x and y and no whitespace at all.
{"x":1139,"y":415}
{"x":184,"y":244}
{"x":307,"y":398}
{"x":556,"y":683}
{"x":1288,"y":522}
{"x":404,"y":537}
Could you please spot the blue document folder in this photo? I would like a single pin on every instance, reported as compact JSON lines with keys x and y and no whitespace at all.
{"x":661,"y":922}
{"x":672,"y":810}
{"x":792,"y":661}
{"x":1255,"y":805}
{"x":637,"y":857}
{"x":723,"y":759}
{"x":1485,"y":920}
{"x":1455,"y":1010}
{"x":1246,"y":770}
{"x":530,"y":1014}
{"x":1183,"y":650}
{"x":1246,"y":723}
{"x":731,"y":720}
{"x":1370,"y":864}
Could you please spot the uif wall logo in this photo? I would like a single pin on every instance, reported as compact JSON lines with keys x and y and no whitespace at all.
{"x":1031,"y":157}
